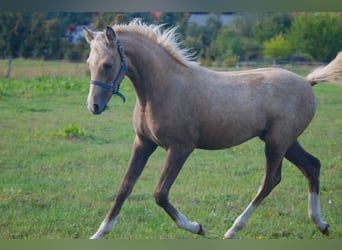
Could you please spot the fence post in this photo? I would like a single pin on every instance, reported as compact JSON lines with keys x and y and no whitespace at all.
{"x":9,"y":67}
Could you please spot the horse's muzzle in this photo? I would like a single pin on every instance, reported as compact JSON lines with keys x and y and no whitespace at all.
{"x":95,"y":109}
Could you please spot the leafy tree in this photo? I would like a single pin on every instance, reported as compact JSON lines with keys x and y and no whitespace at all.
{"x":12,"y":28}
{"x":121,"y":18}
{"x":192,"y":40}
{"x":227,"y":46}
{"x":182,"y":23}
{"x":168,"y":19}
{"x":212,"y":26}
{"x":251,"y":48}
{"x":243,"y":24}
{"x":53,"y":33}
{"x":316,"y":34}
{"x":71,"y":18}
{"x":269,"y":25}
{"x":75,"y":52}
{"x":209,"y":33}
{"x":172,"y":19}
{"x":277,"y":48}
{"x":103,"y":20}
{"x":232,"y":43}
{"x":34,"y":42}
{"x":236,"y":40}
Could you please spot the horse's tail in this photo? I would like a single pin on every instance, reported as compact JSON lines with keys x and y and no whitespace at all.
{"x":329,"y":73}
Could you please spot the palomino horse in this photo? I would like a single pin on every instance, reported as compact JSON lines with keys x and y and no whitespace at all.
{"x":181,"y":106}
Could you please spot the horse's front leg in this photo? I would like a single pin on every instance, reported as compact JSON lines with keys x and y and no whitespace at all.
{"x":174,"y":162}
{"x":142,"y":149}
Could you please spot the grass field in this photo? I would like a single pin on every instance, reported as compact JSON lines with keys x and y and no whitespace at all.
{"x":60,"y":168}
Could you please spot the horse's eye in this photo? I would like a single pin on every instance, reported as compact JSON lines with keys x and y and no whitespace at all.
{"x":108,"y":65}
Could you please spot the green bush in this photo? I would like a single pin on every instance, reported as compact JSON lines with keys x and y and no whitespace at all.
{"x":72,"y":131}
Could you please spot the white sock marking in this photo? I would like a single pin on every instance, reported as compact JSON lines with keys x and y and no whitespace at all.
{"x":104,"y":228}
{"x":240,"y":222}
{"x":314,"y":211}
{"x":184,"y":223}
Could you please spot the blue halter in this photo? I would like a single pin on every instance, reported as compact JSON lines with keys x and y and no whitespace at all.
{"x":123,"y":70}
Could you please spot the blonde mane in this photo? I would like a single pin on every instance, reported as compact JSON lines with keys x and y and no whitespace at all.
{"x":165,"y":38}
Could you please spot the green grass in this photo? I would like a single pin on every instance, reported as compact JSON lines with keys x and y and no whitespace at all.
{"x":60,"y":168}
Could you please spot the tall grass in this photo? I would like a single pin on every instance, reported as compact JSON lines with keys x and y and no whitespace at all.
{"x":60,"y":168}
{"x":22,"y":68}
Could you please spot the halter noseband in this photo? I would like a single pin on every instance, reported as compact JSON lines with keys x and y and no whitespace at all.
{"x":123,"y":70}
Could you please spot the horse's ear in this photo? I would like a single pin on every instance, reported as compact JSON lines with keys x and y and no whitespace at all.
{"x":110,"y":34}
{"x":89,"y":35}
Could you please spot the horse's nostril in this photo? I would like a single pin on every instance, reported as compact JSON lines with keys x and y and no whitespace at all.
{"x":96,"y":108}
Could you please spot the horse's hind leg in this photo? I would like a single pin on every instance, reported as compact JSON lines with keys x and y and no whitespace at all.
{"x":310,"y":167}
{"x":174,"y":162}
{"x":272,"y":177}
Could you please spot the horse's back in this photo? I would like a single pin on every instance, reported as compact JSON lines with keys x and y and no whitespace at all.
{"x":270,"y":89}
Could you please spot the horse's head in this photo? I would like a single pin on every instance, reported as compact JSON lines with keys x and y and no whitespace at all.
{"x":107,"y":68}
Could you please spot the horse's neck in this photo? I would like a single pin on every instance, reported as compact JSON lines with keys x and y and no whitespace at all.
{"x":148,"y":64}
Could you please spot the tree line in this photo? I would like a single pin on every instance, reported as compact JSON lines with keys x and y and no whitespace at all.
{"x":309,"y":36}
{"x":291,"y":36}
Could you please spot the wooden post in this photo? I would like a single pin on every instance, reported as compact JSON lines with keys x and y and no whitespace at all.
{"x":9,"y":67}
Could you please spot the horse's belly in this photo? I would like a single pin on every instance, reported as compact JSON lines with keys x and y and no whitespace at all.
{"x":220,"y":139}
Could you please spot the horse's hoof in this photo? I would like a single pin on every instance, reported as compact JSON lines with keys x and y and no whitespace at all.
{"x":228,"y":236}
{"x":325,"y":231}
{"x":201,"y":230}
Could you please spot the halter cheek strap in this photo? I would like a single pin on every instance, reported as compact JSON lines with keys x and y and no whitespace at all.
{"x":115,"y":86}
